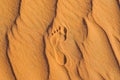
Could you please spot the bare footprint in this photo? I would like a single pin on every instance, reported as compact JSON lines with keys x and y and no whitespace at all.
{"x":56,"y":36}
{"x":56,"y":71}
{"x":66,"y":51}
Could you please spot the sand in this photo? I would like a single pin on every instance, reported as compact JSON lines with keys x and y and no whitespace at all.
{"x":60,"y":40}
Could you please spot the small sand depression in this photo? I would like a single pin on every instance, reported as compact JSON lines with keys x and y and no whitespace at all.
{"x":60,"y":40}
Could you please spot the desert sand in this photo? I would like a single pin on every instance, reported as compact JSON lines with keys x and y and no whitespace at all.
{"x":59,"y":39}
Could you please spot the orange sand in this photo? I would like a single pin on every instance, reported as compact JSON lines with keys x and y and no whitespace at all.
{"x":59,"y":39}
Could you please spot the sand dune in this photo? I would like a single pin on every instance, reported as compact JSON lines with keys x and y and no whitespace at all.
{"x":60,"y":40}
{"x":26,"y":45}
{"x":8,"y":14}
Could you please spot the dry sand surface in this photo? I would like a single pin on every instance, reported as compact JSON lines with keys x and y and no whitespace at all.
{"x":59,"y":39}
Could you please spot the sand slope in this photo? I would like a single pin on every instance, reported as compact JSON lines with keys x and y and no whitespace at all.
{"x":60,"y":40}
{"x":8,"y":14}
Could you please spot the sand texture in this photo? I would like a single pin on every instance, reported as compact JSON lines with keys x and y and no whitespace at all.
{"x":59,"y":39}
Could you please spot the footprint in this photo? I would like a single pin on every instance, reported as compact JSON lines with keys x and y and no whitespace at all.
{"x":66,"y":51}
{"x":55,"y":69}
{"x":57,"y":35}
